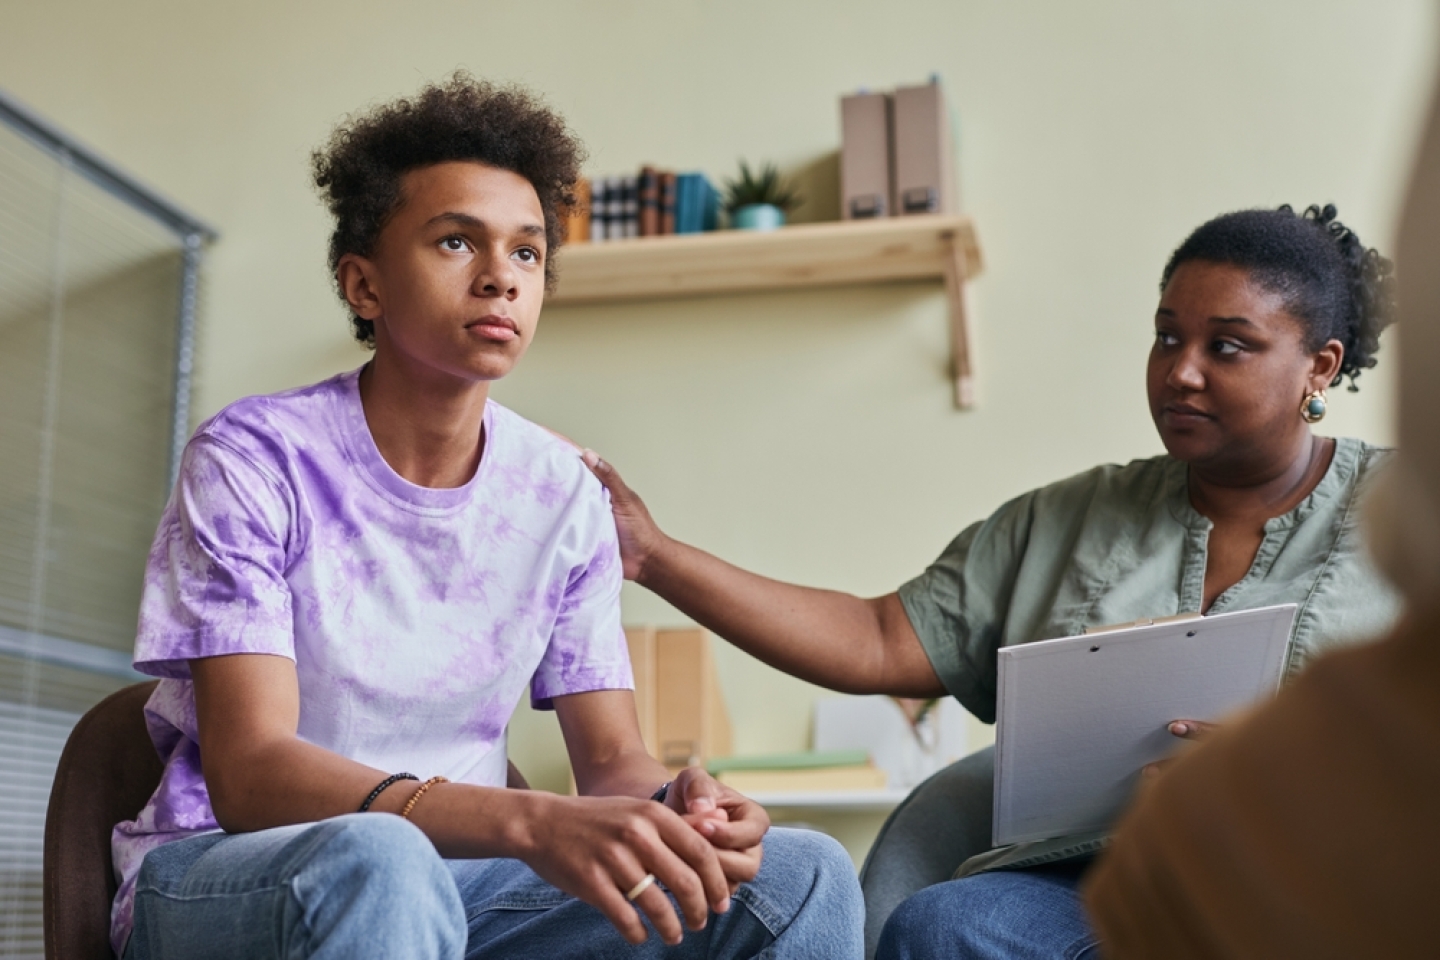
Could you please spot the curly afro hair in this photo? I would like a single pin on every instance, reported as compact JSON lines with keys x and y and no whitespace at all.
{"x":1337,"y":287}
{"x":358,"y":172}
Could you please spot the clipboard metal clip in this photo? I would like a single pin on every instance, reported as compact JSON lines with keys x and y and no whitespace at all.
{"x":1146,"y":622}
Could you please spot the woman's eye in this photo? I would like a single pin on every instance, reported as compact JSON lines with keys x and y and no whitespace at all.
{"x":454,"y":244}
{"x":528,"y":255}
{"x":1226,"y":348}
{"x":1165,"y":339}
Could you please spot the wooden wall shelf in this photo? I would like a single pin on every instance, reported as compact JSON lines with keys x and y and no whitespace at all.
{"x":928,"y":247}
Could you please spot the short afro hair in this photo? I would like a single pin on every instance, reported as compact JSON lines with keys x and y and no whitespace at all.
{"x":358,"y":171}
{"x":1339,"y":289}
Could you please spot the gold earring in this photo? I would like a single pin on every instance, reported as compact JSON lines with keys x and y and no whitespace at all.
{"x":1313,"y":408}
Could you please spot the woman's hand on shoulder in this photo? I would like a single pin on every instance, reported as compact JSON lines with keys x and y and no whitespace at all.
{"x":640,"y":537}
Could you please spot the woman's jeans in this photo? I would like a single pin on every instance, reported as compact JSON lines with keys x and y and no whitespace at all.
{"x":1033,"y":914}
{"x":373,"y":886}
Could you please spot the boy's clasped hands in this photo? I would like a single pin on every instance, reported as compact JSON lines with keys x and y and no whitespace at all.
{"x":700,"y":844}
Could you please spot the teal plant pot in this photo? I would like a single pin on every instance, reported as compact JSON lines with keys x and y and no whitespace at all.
{"x":758,"y":216}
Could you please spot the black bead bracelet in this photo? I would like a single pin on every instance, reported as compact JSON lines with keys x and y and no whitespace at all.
{"x":387,"y":782}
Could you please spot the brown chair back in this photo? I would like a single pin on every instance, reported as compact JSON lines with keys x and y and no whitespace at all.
{"x":107,"y":773}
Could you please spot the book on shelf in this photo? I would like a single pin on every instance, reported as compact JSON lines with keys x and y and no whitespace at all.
{"x":687,"y":203}
{"x":648,"y":202}
{"x":653,"y":203}
{"x":615,"y":197}
{"x":709,"y":205}
{"x":577,"y":217}
{"x":667,"y":202}
{"x":630,"y":207}
{"x":697,"y":204}
{"x":804,"y":760}
{"x":809,"y":771}
{"x":599,"y":210}
{"x":811,"y":779}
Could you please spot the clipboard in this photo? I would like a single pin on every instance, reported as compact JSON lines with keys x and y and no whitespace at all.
{"x":1079,"y":717}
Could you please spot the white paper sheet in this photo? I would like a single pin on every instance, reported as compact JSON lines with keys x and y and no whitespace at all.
{"x":1079,"y":717}
{"x":877,"y":725}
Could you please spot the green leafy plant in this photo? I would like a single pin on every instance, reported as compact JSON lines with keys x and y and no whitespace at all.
{"x":766,"y":186}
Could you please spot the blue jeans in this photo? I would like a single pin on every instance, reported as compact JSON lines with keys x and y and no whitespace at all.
{"x":1013,"y":914}
{"x":373,"y":886}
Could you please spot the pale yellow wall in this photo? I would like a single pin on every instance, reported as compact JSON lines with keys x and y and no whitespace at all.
{"x":808,"y":435}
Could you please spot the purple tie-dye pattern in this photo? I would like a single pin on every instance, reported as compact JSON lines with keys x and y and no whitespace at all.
{"x":548,"y":493}
{"x":415,"y":617}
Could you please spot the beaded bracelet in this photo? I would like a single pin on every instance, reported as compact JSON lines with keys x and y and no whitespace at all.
{"x":387,"y":782}
{"x":415,"y":797}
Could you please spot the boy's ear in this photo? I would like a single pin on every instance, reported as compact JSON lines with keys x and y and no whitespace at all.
{"x":359,"y":283}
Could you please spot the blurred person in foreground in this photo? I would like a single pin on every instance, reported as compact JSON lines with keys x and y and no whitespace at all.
{"x":1312,"y":829}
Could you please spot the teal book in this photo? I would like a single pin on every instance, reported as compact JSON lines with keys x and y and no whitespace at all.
{"x":710,"y":209}
{"x":808,"y":760}
{"x":687,"y":203}
{"x":697,"y":204}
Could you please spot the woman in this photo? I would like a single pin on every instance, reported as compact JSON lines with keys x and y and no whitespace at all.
{"x":1309,"y":830}
{"x":1260,"y":311}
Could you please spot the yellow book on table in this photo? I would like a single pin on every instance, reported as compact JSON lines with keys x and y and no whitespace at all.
{"x":857,"y":777}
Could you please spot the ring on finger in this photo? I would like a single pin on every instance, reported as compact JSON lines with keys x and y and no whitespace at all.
{"x":640,"y":887}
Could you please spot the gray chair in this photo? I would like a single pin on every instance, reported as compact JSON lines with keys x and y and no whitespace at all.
{"x":941,"y":824}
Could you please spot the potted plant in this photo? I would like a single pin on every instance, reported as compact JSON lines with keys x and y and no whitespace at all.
{"x":759,"y":201}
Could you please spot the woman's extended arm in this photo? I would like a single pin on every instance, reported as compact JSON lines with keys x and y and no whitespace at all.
{"x":833,"y":639}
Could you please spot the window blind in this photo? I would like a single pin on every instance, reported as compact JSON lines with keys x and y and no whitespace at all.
{"x":97,"y":299}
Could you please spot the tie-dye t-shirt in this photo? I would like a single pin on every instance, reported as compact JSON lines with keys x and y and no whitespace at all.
{"x":416,"y":617}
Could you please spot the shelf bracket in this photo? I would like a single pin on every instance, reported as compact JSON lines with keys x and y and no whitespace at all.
{"x":955,"y":271}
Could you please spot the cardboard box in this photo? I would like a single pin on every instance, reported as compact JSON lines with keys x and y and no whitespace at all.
{"x":924,"y":148}
{"x":683,"y":719}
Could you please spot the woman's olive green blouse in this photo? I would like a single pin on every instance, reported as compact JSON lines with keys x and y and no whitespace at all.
{"x":1118,"y":544}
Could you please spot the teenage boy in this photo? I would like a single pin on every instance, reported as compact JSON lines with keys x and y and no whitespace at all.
{"x":354,"y":582}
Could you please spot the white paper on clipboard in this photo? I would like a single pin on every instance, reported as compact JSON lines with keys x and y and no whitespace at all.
{"x":1079,"y":717}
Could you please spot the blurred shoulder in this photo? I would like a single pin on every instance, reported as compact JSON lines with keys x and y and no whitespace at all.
{"x":269,"y":429}
{"x":294,"y":406}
